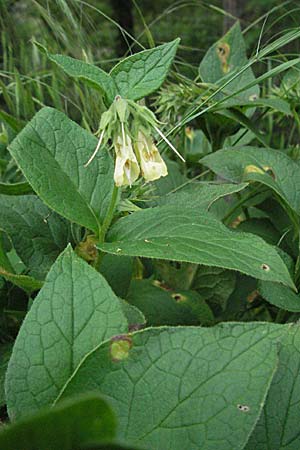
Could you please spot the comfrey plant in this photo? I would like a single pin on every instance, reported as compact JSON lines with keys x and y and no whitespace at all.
{"x":127,"y":303}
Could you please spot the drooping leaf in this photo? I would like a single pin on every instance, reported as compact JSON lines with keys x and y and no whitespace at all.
{"x":201,"y":387}
{"x":141,"y":74}
{"x":278,"y":427}
{"x":73,"y":423}
{"x":186,"y":234}
{"x":74,"y":312}
{"x":273,"y":168}
{"x":37,"y":233}
{"x":51,"y":151}
{"x":90,"y":74}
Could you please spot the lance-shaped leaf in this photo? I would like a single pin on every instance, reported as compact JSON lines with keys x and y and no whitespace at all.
{"x":51,"y":151}
{"x":202,"y":196}
{"x":90,"y":74}
{"x":181,"y":233}
{"x":273,"y":168}
{"x":74,"y":423}
{"x":184,"y":387}
{"x":279,"y":426}
{"x":143,"y":73}
{"x":74,"y":312}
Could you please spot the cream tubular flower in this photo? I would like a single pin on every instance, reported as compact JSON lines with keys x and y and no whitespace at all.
{"x":127,"y":168}
{"x":152,"y":164}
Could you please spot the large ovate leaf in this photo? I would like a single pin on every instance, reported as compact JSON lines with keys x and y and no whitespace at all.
{"x":279,"y":426}
{"x":200,"y":387}
{"x":51,"y":151}
{"x":38,"y":234}
{"x":73,"y":423}
{"x":74,"y":312}
{"x":273,"y":168}
{"x":223,"y":61}
{"x":88,"y":73}
{"x":186,"y":234}
{"x":141,"y":74}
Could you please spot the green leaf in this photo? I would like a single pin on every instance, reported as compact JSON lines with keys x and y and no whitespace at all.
{"x":276,"y":104}
{"x":134,"y":316}
{"x":164,"y":307}
{"x":166,"y":185}
{"x":215,"y":285}
{"x":51,"y":151}
{"x":187,"y":234}
{"x":261,"y":227}
{"x":203,"y":195}
{"x":88,"y":73}
{"x":278,"y":295}
{"x":175,"y":275}
{"x":273,"y":168}
{"x":117,"y":271}
{"x":11,"y":121}
{"x":37,"y":233}
{"x":243,"y":120}
{"x":15,"y":188}
{"x":279,"y":427}
{"x":143,"y":73}
{"x":29,"y":284}
{"x":225,"y":58}
{"x":5,"y":352}
{"x":197,"y":146}
{"x":73,"y":423}
{"x":200,"y":387}
{"x":74,"y":312}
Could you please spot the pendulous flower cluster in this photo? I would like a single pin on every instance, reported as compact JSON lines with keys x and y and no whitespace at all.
{"x":129,"y":126}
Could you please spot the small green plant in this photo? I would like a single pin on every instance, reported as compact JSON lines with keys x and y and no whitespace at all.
{"x":158,"y":260}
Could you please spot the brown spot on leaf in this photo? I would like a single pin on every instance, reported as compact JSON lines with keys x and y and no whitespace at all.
{"x":119,"y":347}
{"x":223,"y":51}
